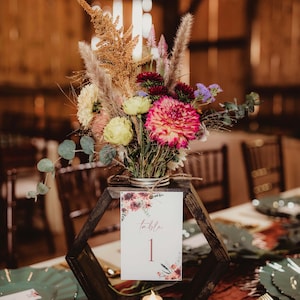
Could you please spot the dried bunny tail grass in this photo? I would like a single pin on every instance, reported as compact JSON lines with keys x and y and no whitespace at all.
{"x":180,"y":45}
{"x":114,"y":50}
{"x":100,"y":78}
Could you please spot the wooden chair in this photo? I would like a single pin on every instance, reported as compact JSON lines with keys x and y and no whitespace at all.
{"x":212,"y":166}
{"x":79,"y":187}
{"x":18,"y":175}
{"x":264,"y":164}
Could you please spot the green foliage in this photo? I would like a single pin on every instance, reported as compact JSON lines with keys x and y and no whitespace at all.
{"x":230,"y":113}
{"x":45,"y":165}
{"x":32,"y":194}
{"x":87,"y":144}
{"x":42,"y":188}
{"x":107,"y":154}
{"x":239,"y":111}
{"x":67,"y":149}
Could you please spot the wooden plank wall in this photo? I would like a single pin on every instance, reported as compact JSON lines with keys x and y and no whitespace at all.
{"x":242,"y":45}
{"x":275,"y":60}
{"x":39,"y":42}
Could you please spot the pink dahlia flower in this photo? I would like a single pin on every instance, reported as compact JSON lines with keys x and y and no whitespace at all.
{"x":172,"y":122}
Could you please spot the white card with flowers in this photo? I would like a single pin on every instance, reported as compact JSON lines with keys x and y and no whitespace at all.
{"x":151,"y":235}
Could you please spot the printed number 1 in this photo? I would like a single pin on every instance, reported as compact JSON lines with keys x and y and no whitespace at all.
{"x":151,"y":249}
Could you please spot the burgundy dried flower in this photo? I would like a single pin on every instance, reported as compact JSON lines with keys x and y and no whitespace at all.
{"x":184,"y":92}
{"x":156,"y":92}
{"x":149,"y":79}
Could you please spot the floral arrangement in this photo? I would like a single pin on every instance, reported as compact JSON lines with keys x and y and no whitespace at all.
{"x":138,"y":113}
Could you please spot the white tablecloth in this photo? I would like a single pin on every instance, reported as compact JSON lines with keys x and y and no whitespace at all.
{"x":243,"y":214}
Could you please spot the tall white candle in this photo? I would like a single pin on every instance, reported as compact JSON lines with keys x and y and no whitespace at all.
{"x":118,"y":12}
{"x":137,"y":28}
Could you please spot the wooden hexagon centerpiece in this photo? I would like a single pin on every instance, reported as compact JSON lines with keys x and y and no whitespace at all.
{"x":95,"y":283}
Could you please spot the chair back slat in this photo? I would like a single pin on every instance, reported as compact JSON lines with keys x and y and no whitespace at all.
{"x":212,"y":167}
{"x":79,"y":187}
{"x":19,"y":175}
{"x":22,"y":156}
{"x":264,"y":164}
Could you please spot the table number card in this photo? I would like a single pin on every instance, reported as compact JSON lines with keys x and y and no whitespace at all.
{"x":30,"y":294}
{"x":151,"y":235}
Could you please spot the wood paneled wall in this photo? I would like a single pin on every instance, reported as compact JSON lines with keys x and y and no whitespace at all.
{"x":219,"y":48}
{"x":275,"y":61}
{"x":39,"y":42}
{"x":241,"y":44}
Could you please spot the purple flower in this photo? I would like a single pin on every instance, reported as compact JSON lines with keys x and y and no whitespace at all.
{"x":202,"y":92}
{"x":215,"y":89}
{"x":207,"y":94}
{"x":142,"y":94}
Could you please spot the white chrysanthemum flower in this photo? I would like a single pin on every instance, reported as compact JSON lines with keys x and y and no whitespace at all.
{"x":86,"y":101}
{"x":181,"y":157}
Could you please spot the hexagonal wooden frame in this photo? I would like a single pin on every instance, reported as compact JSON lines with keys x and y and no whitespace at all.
{"x":91,"y":276}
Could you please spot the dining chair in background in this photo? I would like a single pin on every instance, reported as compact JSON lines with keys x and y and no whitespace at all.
{"x":79,"y":188}
{"x":211,"y":165}
{"x":264,"y":165}
{"x":23,"y":216}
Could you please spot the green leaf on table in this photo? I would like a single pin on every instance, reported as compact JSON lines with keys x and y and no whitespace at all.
{"x":236,"y":239}
{"x":45,"y":165}
{"x":87,"y":144}
{"x":67,"y":149}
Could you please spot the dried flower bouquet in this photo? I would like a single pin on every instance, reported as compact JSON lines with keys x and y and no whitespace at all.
{"x":138,"y":113}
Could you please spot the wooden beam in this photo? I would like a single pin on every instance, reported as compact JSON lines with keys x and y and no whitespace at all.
{"x":220,"y":44}
{"x":194,"y":6}
{"x":171,"y":19}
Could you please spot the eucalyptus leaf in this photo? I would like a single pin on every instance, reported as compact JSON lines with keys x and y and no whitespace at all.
{"x":251,"y":108}
{"x":227,"y":120}
{"x":31,"y":194}
{"x":230,"y":106}
{"x":42,"y":188}
{"x":240,"y":113}
{"x":87,"y":144}
{"x":67,"y":149}
{"x":253,"y":98}
{"x":45,"y":165}
{"x":107,"y":154}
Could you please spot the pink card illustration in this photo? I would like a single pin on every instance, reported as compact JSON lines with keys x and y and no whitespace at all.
{"x":151,"y":235}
